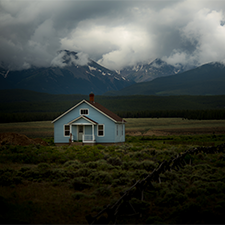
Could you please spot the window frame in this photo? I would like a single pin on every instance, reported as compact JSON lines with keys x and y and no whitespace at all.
{"x":102,"y":130}
{"x":84,"y":114}
{"x":66,"y":130}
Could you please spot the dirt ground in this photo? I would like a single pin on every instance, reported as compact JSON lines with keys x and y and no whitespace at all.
{"x":19,"y":139}
{"x":178,"y":131}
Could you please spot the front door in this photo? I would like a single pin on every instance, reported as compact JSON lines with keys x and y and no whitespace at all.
{"x":80,"y":132}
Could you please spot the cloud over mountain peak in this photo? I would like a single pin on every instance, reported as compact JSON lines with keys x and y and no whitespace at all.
{"x":114,"y":33}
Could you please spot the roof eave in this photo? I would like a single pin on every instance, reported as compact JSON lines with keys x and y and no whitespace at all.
{"x":67,"y":111}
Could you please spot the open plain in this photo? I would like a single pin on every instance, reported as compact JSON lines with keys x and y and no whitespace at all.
{"x":41,"y":183}
{"x":134,"y":126}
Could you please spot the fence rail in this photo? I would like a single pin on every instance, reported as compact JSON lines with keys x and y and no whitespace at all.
{"x":88,"y":137}
{"x":137,"y":189}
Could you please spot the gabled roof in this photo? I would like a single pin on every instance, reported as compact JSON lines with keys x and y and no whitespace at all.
{"x":98,"y":107}
{"x":83,"y":117}
{"x":107,"y":112}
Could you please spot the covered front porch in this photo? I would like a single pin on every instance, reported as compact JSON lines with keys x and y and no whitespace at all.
{"x":82,"y":130}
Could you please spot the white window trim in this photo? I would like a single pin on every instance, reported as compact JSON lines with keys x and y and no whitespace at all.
{"x":65,"y":130}
{"x":103,"y":130}
{"x":84,"y":109}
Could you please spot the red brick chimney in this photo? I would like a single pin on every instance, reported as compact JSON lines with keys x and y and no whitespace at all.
{"x":91,"y":97}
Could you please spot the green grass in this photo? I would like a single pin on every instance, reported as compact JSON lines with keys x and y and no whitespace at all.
{"x":45,"y":128}
{"x":63,"y":184}
{"x":30,"y":129}
{"x":170,"y":123}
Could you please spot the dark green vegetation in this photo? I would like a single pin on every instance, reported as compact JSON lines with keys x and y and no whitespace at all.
{"x":49,"y":184}
{"x":22,"y":105}
{"x":208,"y":79}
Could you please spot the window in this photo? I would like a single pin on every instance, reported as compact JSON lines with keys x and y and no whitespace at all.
{"x":100,"y":130}
{"x":84,"y":112}
{"x":67,"y":130}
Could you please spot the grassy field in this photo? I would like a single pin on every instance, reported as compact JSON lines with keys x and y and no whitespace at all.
{"x":148,"y":126}
{"x":30,"y":129}
{"x":62,"y":184}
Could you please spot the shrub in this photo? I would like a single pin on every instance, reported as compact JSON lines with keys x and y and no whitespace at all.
{"x":131,"y":165}
{"x":121,"y":181}
{"x":72,"y":164}
{"x":103,"y":165}
{"x":43,"y":166}
{"x":193,"y":192}
{"x":140,"y":174}
{"x":171,"y":175}
{"x":103,"y":191}
{"x":118,"y":173}
{"x":169,"y":199}
{"x":9,"y":178}
{"x":84,"y":172}
{"x":148,"y":165}
{"x":101,"y":177}
{"x":92,"y":165}
{"x":115,"y":161}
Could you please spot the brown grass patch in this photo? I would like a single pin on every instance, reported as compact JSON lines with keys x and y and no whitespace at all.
{"x":19,"y":139}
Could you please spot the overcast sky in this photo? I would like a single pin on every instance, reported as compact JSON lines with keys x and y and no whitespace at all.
{"x":115,"y":33}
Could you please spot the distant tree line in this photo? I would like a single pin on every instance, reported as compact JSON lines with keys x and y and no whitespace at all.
{"x":27,"y":117}
{"x":216,"y":114}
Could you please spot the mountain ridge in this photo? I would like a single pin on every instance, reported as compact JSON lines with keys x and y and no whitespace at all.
{"x":64,"y":76}
{"x":208,"y":79}
{"x":152,"y":70}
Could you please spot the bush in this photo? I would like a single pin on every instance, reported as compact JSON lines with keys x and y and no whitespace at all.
{"x":72,"y":164}
{"x":148,"y":165}
{"x":115,"y":161}
{"x":101,"y":177}
{"x":10,"y":178}
{"x":131,"y":165}
{"x":43,"y":166}
{"x":84,"y":172}
{"x":121,"y":181}
{"x":118,"y":173}
{"x":92,"y":165}
{"x":103,"y":191}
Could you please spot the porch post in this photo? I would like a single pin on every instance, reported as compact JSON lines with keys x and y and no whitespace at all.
{"x":93,"y":132}
{"x":71,"y":135}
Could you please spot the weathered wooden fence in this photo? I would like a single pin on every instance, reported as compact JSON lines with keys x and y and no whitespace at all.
{"x":110,"y":213}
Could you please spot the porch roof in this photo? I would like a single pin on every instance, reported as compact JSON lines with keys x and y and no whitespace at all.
{"x":83,"y":117}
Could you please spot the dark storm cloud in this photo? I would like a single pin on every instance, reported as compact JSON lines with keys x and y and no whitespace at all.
{"x":114,"y":33}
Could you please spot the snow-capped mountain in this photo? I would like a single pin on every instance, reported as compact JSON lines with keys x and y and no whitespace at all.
{"x":150,"y":71}
{"x":69,"y":73}
{"x":207,"y":79}
{"x":3,"y":70}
